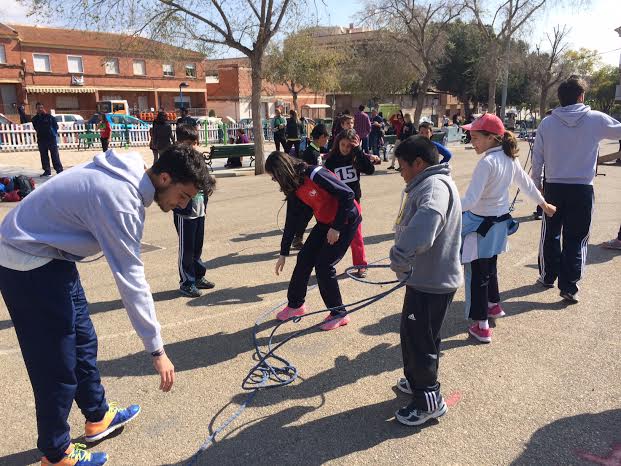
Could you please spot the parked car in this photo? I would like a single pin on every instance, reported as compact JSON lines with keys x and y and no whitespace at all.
{"x":208,"y":120}
{"x":67,"y":120}
{"x":121,"y":121}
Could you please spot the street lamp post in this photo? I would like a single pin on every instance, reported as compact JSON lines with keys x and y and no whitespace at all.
{"x":181,"y":86}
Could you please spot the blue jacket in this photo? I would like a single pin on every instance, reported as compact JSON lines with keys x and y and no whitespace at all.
{"x":444,"y":152}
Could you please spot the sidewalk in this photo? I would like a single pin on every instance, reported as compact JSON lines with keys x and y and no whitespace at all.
{"x":29,"y":164}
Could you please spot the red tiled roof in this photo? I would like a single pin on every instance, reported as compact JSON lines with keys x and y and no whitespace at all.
{"x":74,"y":38}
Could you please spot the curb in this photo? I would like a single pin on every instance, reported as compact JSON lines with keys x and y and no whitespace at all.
{"x":232,"y":174}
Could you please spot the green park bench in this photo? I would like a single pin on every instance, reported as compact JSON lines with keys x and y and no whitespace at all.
{"x":224,"y":151}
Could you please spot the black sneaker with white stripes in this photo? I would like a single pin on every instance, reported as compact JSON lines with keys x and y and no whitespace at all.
{"x":412,"y":416}
{"x":571,"y":298}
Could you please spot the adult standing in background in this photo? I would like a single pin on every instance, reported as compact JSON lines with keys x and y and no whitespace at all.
{"x":47,"y":131}
{"x":278,"y":129}
{"x":185,"y":119}
{"x":567,"y":143}
{"x":293,"y":130}
{"x":161,"y":135}
{"x":362,"y":125}
{"x":377,"y":132}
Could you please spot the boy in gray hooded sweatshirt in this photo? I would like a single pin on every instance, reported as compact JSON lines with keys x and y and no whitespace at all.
{"x":427,"y":241}
{"x":567,"y":144}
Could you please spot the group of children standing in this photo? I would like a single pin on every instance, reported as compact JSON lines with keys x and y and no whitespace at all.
{"x":437,"y":236}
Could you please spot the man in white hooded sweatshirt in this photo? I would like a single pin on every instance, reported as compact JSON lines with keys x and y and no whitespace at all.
{"x":567,"y":144}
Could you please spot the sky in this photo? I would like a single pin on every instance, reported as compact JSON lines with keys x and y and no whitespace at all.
{"x":592,"y":28}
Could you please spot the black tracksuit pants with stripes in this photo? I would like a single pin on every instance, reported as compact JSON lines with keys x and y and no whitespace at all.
{"x":421,"y":320}
{"x":191,"y":234}
{"x":566,"y":260}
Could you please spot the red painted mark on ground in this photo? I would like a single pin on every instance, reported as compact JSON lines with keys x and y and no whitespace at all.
{"x":452,"y":399}
{"x":614,"y":459}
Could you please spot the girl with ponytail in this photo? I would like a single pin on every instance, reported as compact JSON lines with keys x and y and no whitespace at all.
{"x":486,"y":221}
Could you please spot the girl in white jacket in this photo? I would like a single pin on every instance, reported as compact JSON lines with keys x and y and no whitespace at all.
{"x":486,"y":220}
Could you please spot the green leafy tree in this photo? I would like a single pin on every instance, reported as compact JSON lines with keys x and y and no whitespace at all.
{"x":460,"y":74}
{"x":602,"y":88}
{"x":299,"y":65}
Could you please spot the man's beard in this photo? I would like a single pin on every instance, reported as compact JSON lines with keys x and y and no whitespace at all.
{"x":156,"y":198}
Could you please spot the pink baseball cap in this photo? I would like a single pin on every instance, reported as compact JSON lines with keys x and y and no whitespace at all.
{"x":487,"y":122}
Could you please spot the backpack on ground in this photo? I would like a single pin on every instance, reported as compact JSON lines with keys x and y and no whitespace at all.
{"x":23,"y":185}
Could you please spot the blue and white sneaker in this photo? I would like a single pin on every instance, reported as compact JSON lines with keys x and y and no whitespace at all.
{"x":114,"y":419}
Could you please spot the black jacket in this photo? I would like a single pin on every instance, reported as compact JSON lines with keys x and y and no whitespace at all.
{"x":311,"y":155}
{"x":293,"y":129}
{"x":408,"y":130}
{"x":46,"y":127}
{"x":349,"y":167}
{"x":161,"y":136}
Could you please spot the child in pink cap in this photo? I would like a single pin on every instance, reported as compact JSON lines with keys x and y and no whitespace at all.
{"x":486,"y":222}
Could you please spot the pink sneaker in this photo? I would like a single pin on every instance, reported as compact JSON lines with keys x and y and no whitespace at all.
{"x":484,"y":336}
{"x":495,"y":312}
{"x":332,"y":322}
{"x":289,"y":312}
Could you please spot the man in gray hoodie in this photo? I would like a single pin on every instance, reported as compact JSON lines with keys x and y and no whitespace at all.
{"x":567,"y":144}
{"x":427,"y":243}
{"x":92,"y":208}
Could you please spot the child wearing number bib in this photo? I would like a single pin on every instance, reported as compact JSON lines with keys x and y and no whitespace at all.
{"x":347,"y":161}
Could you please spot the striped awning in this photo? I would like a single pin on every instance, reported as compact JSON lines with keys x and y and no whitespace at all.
{"x":60,"y":90}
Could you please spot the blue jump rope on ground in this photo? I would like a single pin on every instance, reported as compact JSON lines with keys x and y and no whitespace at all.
{"x":273,"y":371}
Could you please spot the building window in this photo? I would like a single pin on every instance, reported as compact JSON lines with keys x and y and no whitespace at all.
{"x":74,"y":64}
{"x":67,"y":102}
{"x":2,"y":55}
{"x":190,"y":70}
{"x":41,"y":62}
{"x":140,"y":68}
{"x":112,"y":66}
{"x":168,"y":69}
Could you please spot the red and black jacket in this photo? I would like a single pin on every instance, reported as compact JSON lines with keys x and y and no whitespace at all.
{"x":331,"y":201}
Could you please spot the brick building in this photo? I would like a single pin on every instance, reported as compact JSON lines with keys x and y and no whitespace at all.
{"x":70,"y":70}
{"x":229,"y":89}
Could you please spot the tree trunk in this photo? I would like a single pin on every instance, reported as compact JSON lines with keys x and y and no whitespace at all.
{"x":466,"y":104}
{"x":255,"y":105}
{"x":420,"y":99}
{"x":491,"y":97}
{"x":295,"y":101}
{"x":543,"y":102}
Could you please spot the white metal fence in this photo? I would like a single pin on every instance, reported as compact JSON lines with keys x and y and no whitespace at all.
{"x":14,"y":138}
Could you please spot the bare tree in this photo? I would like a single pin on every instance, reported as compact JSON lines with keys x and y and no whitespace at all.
{"x":418,"y":33}
{"x":246,"y":26}
{"x":499,"y":28}
{"x":550,"y":68}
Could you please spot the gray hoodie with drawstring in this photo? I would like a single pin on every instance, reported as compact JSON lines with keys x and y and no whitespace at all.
{"x":428,"y":232}
{"x":567,"y":144}
{"x":95,"y":207}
